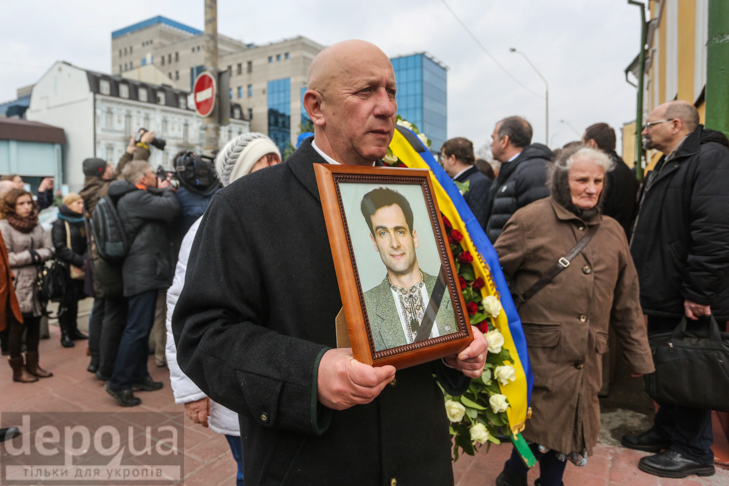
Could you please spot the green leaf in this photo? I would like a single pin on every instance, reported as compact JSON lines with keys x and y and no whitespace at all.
{"x":468,"y":294}
{"x":463,"y":187}
{"x":471,"y":404}
{"x":472,"y":413}
{"x":466,"y":271}
{"x":477,"y":317}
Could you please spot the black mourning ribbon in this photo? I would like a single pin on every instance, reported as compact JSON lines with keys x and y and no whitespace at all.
{"x":423,"y":330}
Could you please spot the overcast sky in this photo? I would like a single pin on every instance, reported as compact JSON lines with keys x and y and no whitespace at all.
{"x":581,"y":47}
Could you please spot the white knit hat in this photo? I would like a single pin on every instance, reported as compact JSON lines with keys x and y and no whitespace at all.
{"x":240,"y":155}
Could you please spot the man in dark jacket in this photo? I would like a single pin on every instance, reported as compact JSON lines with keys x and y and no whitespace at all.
{"x":622,"y":186}
{"x":145,"y":206}
{"x":680,"y":250}
{"x":523,"y":175}
{"x":458,"y":162}
{"x":255,"y":323}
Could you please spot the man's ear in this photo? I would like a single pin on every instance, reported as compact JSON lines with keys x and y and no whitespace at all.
{"x":415,"y":238}
{"x":591,"y":143}
{"x":504,"y":141}
{"x":313,"y":105}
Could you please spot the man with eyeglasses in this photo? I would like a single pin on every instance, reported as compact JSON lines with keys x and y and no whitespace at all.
{"x":680,"y":250}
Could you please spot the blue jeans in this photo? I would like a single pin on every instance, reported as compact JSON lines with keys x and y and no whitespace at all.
{"x":236,"y":447}
{"x":131,"y":360}
{"x":551,"y":469}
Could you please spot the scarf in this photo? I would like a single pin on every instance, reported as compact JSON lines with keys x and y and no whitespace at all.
{"x":71,"y":219}
{"x":560,"y":191}
{"x":24,"y":225}
{"x":413,"y":307}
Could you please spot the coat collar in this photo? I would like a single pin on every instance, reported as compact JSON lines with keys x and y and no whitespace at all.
{"x":463,"y":176}
{"x":565,"y":214}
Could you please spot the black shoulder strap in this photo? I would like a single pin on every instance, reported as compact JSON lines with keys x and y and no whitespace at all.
{"x":433,"y":305}
{"x":563,"y":263}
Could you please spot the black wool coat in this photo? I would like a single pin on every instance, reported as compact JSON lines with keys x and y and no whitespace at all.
{"x":520,"y":182}
{"x":621,"y":192}
{"x":680,"y":241}
{"x":254,"y":318}
{"x":146,"y":216}
{"x":75,"y":254}
{"x":477,"y":196}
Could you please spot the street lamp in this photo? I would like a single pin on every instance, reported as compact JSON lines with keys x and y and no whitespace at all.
{"x":546,"y":96}
{"x":573,"y":128}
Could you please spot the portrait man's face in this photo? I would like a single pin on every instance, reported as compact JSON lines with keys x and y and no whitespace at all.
{"x":394,"y":241}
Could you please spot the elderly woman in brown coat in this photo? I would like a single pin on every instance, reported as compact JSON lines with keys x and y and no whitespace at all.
{"x":566,"y":322}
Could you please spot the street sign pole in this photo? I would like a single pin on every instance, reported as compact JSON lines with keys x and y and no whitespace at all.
{"x":212,"y":129}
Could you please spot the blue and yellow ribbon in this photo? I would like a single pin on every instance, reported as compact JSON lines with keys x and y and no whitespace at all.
{"x":409,"y":150}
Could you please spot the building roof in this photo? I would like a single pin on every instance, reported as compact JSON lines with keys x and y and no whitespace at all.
{"x":30,"y":131}
{"x":155,"y":21}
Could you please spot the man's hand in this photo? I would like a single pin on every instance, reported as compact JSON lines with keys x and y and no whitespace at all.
{"x":148,"y":137}
{"x":163,"y":183}
{"x":694,"y":310}
{"x":46,"y":183}
{"x":344,"y":382}
{"x":471,"y":360}
{"x":132,"y":145}
{"x":198,"y":411}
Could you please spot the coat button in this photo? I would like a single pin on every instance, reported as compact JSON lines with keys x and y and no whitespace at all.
{"x":393,"y":482}
{"x":586,"y":270}
{"x":581,"y":228}
{"x":579,"y":365}
{"x":393,"y":382}
{"x":583,"y":318}
{"x":264,"y":417}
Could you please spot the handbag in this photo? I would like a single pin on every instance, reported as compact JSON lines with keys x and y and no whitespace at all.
{"x":75,"y":272}
{"x":692,"y":370}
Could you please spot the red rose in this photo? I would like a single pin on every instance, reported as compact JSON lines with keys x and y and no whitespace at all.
{"x":447,"y":223}
{"x":456,"y":235}
{"x":478,"y":284}
{"x":400,"y":164}
{"x":465,"y":257}
{"x":472,"y":308}
{"x":483,"y":327}
{"x":463,"y":283}
{"x":451,"y":240}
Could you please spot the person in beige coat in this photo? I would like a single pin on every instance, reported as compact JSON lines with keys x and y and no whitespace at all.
{"x":28,"y":247}
{"x":566,"y":323}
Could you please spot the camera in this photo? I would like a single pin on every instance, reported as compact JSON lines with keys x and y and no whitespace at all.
{"x":162,"y":175}
{"x":156,"y":142}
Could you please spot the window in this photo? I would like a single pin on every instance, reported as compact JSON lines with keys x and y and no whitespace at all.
{"x":236,"y":112}
{"x":161,"y":96}
{"x":164,"y":126}
{"x":131,"y":64}
{"x":230,"y":93}
{"x":125,"y":66}
{"x":169,"y":58}
{"x":120,"y":68}
{"x":240,"y":92}
{"x":270,"y":58}
{"x":249,"y":67}
{"x":286,"y":55}
{"x":142,"y":94}
{"x":183,"y":102}
{"x":177,"y":75}
{"x":146,"y":121}
{"x":125,"y":51}
{"x":250,"y":90}
{"x":193,"y":49}
{"x":104,"y":87}
{"x":169,"y":75}
{"x":128,"y":124}
{"x":250,"y":113}
{"x":130,"y":49}
{"x":230,"y":70}
{"x":177,"y":56}
{"x":239,"y":68}
{"x":185,"y":132}
{"x":109,"y":153}
{"x":278,"y":57}
{"x":124,"y":90}
{"x":109,"y":119}
{"x":120,"y":53}
{"x":163,"y":60}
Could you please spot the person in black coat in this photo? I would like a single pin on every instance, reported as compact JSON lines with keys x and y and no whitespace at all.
{"x":680,"y":246}
{"x":622,"y":186}
{"x":255,"y":322}
{"x":523,"y":174}
{"x":70,"y":226}
{"x":146,"y":207}
{"x":459,"y":162}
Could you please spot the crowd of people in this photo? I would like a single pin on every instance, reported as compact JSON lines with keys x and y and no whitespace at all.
{"x":239,"y":292}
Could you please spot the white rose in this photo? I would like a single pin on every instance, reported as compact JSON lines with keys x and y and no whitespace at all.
{"x":423,"y":138}
{"x":491,"y":305}
{"x":390,"y":159}
{"x":479,"y":433}
{"x":405,"y":123}
{"x":498,"y":403}
{"x":495,"y":340}
{"x":505,"y":374}
{"x":486,"y":375}
{"x":455,"y":411}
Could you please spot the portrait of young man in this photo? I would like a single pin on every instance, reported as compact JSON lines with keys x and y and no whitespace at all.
{"x":403,"y":308}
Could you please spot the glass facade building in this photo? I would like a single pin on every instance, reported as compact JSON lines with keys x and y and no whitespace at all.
{"x":279,"y":112}
{"x":422,"y":95}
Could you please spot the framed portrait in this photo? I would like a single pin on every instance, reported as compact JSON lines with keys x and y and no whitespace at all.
{"x":400,"y":294}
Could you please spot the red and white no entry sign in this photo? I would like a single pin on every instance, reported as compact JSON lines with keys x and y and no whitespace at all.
{"x":204,"y":92}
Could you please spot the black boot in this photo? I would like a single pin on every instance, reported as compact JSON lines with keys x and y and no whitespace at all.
{"x":66,"y":340}
{"x":648,"y":441}
{"x":75,"y":334}
{"x":65,"y":325}
{"x":94,"y":364}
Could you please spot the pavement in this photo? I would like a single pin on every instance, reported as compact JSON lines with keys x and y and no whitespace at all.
{"x":208,"y":460}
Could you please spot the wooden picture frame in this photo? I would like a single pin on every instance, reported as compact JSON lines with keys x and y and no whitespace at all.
{"x":387,"y":307}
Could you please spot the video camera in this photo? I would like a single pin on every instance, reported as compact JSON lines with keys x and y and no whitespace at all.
{"x":193,"y":171}
{"x":156,"y":142}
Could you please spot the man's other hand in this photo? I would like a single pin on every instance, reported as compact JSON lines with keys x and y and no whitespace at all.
{"x":46,"y":184}
{"x":132,"y":145}
{"x":163,"y":183}
{"x":147,"y":137}
{"x":471,"y":360}
{"x":198,"y":411}
{"x":344,"y":382}
{"x":694,"y":310}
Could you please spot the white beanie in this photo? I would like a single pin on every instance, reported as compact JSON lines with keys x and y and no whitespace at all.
{"x":240,"y":155}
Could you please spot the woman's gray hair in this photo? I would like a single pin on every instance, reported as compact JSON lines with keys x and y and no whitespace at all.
{"x":558,"y":175}
{"x":135,"y":170}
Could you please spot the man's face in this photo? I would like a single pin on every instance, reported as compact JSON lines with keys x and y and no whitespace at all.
{"x":393,"y":240}
{"x":359,"y":109}
{"x":149,"y":179}
{"x":660,"y":135}
{"x":497,"y":145}
{"x":109,"y":172}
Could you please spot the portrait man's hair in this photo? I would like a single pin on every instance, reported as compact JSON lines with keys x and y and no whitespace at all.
{"x":383,"y":197}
